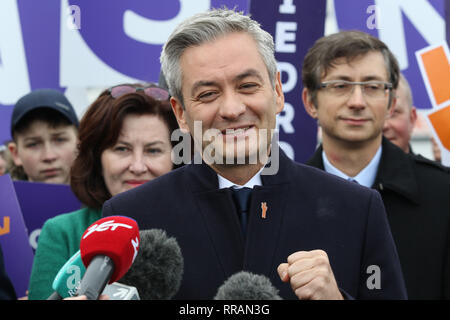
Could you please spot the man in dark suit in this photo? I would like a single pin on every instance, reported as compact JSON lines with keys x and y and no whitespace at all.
{"x":313,"y":235}
{"x":349,"y":81}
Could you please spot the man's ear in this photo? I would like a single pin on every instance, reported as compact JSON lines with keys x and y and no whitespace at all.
{"x":13,"y":150}
{"x":309,"y":105}
{"x":180,"y":114}
{"x":413,"y":116}
{"x":391,"y":107}
{"x":279,"y":99}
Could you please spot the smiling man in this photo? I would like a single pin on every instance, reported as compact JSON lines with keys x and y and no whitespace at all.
{"x":350,"y":80}
{"x":313,"y":235}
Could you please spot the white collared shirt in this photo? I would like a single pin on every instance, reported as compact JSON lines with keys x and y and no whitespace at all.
{"x":254,"y":181}
{"x":366,"y":177}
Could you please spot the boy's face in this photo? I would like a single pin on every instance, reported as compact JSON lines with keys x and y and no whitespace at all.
{"x":45,"y":153}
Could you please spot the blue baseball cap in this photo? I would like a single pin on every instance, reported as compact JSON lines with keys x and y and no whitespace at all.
{"x":43,"y":98}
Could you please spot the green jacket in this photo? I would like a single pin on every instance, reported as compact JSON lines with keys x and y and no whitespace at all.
{"x":59,"y":239}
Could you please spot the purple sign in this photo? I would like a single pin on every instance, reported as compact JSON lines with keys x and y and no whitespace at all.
{"x":42,"y":201}
{"x":295,"y":27}
{"x":405,"y":26}
{"x":5,"y":124}
{"x":73,"y":44}
{"x":128,"y":35}
{"x":17,"y":252}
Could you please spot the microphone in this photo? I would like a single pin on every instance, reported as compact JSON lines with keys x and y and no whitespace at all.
{"x":158,"y":268}
{"x":119,"y":291}
{"x":108,"y":248}
{"x":247,"y":286}
{"x":68,"y":278}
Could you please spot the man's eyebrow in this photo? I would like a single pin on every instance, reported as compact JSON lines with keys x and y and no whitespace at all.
{"x":242,"y":75}
{"x":202,"y":83}
{"x":249,"y":73}
{"x":365,"y":78}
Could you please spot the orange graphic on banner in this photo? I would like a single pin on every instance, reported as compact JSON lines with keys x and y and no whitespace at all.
{"x":5,"y":229}
{"x":437,"y":68}
{"x":441,"y":124}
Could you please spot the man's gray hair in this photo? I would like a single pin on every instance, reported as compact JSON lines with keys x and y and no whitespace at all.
{"x":206,"y":27}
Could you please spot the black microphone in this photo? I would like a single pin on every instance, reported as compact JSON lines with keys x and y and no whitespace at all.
{"x":158,"y":268}
{"x":247,"y":286}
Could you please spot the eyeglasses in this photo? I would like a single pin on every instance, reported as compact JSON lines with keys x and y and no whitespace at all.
{"x":151,"y":91}
{"x":370,"y":89}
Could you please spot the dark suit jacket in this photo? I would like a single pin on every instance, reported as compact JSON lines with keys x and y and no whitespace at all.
{"x":416,"y":195}
{"x":307,"y":209}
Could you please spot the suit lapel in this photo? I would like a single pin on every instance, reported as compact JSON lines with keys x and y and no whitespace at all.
{"x":257,"y":252}
{"x":263,"y":232}
{"x":266,"y":212}
{"x":220,"y":217}
{"x":316,"y":160}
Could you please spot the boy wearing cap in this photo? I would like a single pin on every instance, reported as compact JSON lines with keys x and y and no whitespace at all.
{"x":44,"y":128}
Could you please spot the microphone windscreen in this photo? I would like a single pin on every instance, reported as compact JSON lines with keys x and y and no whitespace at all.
{"x":116,"y":237}
{"x":247,"y":286}
{"x":158,"y":268}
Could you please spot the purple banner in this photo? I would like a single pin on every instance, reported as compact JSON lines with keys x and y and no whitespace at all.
{"x":74,"y":44}
{"x":42,"y":201}
{"x":17,"y":252}
{"x":5,"y":124}
{"x":405,"y":26}
{"x":295,"y":26}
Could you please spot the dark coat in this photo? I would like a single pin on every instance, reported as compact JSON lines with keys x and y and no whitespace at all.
{"x":416,"y":195}
{"x":307,"y":209}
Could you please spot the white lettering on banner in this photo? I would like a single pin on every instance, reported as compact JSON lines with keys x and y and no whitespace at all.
{"x":292,"y":76}
{"x":13,"y":63}
{"x":287,"y":148}
{"x":136,"y":26}
{"x":105,"y":226}
{"x":33,"y":238}
{"x":285,"y":36}
{"x":419,"y":13}
{"x":285,"y":118}
{"x":285,"y":32}
{"x":73,"y":73}
{"x":287,"y":7}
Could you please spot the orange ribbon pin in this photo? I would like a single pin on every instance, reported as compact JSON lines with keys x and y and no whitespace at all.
{"x":263,"y":209}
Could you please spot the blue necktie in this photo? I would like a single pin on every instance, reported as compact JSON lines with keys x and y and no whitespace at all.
{"x":242,"y":200}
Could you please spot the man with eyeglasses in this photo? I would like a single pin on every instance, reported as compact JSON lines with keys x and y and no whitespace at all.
{"x":349,"y":81}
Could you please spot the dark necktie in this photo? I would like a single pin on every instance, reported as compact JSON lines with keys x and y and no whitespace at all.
{"x":241,"y":198}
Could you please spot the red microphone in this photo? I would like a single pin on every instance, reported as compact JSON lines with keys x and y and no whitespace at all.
{"x":108,"y":248}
